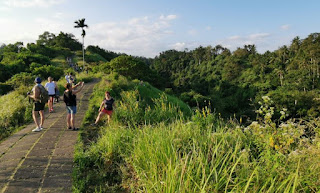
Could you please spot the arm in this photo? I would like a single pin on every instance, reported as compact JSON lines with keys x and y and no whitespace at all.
{"x":75,"y":86}
{"x":36,"y":94}
{"x":78,"y":90}
{"x":100,"y":109}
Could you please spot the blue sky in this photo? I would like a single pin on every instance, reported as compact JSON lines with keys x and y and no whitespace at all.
{"x":146,"y":28}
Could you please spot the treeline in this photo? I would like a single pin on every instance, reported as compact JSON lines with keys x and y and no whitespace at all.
{"x":232,"y":83}
{"x":20,"y":64}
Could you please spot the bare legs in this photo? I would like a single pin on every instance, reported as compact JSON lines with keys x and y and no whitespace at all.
{"x":34,"y":116}
{"x":101,"y":114}
{"x":70,"y":120}
{"x":50,"y":104}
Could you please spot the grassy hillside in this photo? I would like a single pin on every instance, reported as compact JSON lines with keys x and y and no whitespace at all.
{"x":155,"y":144}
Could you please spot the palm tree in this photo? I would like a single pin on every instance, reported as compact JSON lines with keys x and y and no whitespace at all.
{"x":80,"y":24}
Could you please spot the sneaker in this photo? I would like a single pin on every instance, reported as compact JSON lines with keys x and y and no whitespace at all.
{"x":69,"y":127}
{"x":37,"y":129}
{"x":41,"y":128}
{"x":75,"y":129}
{"x":93,"y":125}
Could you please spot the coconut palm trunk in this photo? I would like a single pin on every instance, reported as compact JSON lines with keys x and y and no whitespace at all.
{"x":82,"y":52}
{"x":80,"y":24}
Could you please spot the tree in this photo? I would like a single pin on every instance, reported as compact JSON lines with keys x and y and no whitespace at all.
{"x":66,"y":40}
{"x":46,"y":38}
{"x":80,"y":24}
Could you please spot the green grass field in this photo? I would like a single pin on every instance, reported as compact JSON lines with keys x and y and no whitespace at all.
{"x":156,"y":144}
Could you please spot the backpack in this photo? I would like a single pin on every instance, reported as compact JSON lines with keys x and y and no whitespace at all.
{"x":69,"y":99}
{"x":44,"y":95}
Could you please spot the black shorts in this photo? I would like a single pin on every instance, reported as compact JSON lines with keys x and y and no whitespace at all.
{"x":52,"y":95}
{"x":38,"y":106}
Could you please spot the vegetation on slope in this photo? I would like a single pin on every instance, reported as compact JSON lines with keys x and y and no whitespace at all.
{"x":197,"y":153}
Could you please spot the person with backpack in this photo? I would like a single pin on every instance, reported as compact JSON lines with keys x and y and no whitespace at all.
{"x":40,"y":97}
{"x":51,"y":87}
{"x":70,"y":98}
{"x":106,"y":108}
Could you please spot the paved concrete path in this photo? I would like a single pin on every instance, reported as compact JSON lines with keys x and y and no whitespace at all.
{"x":42,"y":161}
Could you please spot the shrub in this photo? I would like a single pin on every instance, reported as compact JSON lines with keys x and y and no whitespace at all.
{"x":200,"y":154}
{"x":93,"y":57}
{"x":21,"y":79}
{"x":15,"y":111}
{"x":45,"y":71}
{"x":5,"y":88}
{"x":283,"y":137}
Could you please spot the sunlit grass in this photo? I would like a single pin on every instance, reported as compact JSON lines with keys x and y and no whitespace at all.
{"x":15,"y":111}
{"x":151,"y":146}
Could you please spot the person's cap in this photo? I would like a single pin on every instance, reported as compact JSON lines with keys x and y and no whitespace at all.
{"x":37,"y":80}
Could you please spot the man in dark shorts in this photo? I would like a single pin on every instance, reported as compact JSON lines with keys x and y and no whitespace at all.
{"x":38,"y":106}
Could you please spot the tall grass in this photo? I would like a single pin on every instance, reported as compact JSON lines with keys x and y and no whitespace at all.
{"x":150,"y":146}
{"x":15,"y":111}
{"x":182,"y":157}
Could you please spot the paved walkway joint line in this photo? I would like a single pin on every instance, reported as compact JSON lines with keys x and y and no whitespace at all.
{"x":42,"y":161}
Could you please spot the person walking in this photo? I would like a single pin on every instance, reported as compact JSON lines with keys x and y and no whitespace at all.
{"x":51,"y":87}
{"x":39,"y":96}
{"x":70,"y":98}
{"x":72,"y":78}
{"x":57,"y":92}
{"x":106,"y":108}
{"x":67,"y":77}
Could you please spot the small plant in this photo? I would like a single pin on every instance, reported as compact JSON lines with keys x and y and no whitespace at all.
{"x":283,"y":136}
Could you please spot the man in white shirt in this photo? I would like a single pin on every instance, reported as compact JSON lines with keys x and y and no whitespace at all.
{"x":68,"y":78}
{"x":50,"y":86}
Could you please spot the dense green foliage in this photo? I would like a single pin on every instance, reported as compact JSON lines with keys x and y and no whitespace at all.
{"x":15,"y":111}
{"x":155,"y":142}
{"x":107,"y":55}
{"x":164,"y":151}
{"x":233,"y":82}
{"x":20,"y":65}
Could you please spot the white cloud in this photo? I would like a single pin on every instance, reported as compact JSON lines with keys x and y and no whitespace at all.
{"x":51,"y":25}
{"x":192,"y":32}
{"x":16,"y":30}
{"x":234,"y":37}
{"x":258,"y":36}
{"x":31,"y":3}
{"x":285,"y":27}
{"x":179,"y":46}
{"x":261,"y":40}
{"x":168,"y":17}
{"x":208,"y":28}
{"x":138,"y":36}
{"x":59,"y":15}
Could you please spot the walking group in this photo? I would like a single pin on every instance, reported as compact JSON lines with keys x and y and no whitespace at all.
{"x":46,"y":94}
